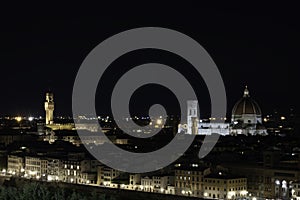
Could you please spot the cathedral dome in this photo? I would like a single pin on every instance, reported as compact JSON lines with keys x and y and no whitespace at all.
{"x":246,"y":107}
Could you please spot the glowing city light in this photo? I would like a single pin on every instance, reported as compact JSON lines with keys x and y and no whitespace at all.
{"x":49,"y":178}
{"x":244,"y":192}
{"x":18,"y":119}
{"x":158,"y":121}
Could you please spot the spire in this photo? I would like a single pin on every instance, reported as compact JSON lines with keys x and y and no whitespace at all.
{"x":246,"y":92}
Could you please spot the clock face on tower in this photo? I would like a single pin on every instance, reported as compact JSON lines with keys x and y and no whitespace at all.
{"x":49,"y":105}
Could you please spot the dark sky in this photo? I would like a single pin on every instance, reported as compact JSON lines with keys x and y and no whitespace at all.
{"x":43,"y":48}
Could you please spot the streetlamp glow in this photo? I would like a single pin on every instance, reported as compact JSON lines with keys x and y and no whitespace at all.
{"x":159,"y":121}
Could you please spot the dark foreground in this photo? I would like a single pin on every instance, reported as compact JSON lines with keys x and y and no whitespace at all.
{"x":17,"y":189}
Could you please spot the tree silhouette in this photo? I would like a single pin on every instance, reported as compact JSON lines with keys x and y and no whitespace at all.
{"x":37,"y":191}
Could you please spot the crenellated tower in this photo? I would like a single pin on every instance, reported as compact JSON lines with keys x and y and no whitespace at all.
{"x":49,"y":108}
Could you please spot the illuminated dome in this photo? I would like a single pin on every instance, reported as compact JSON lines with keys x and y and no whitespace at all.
{"x":246,"y":110}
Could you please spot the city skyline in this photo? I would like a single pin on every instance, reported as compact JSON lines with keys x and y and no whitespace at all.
{"x":41,"y":114}
{"x":255,"y":49}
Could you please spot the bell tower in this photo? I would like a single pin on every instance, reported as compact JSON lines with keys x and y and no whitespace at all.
{"x":192,"y":117}
{"x":49,"y":108}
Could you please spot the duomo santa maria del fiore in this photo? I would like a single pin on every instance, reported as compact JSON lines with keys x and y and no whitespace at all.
{"x":246,"y":119}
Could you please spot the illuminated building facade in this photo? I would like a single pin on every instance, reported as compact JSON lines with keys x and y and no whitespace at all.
{"x":15,"y":165}
{"x":158,"y":184}
{"x":35,"y":167}
{"x":106,"y":175}
{"x":224,"y":186}
{"x":49,"y":108}
{"x":54,"y":169}
{"x":296,"y":190}
{"x":272,"y":179}
{"x":189,"y":180}
{"x":246,"y":119}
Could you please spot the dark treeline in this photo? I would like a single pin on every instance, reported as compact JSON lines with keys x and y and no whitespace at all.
{"x":36,"y":191}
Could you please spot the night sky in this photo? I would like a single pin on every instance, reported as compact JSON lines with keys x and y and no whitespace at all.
{"x":42,"y":48}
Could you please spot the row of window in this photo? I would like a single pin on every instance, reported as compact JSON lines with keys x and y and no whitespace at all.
{"x":230,"y":189}
{"x":150,"y":183}
{"x":72,"y":167}
{"x":296,"y":193}
{"x":296,"y":186}
{"x":216,"y":196}
{"x":29,"y":162}
{"x":181,"y":185}
{"x":109,"y":174}
{"x":188,"y":172}
{"x":14,"y":161}
{"x":218,"y":181}
{"x":189,"y":178}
